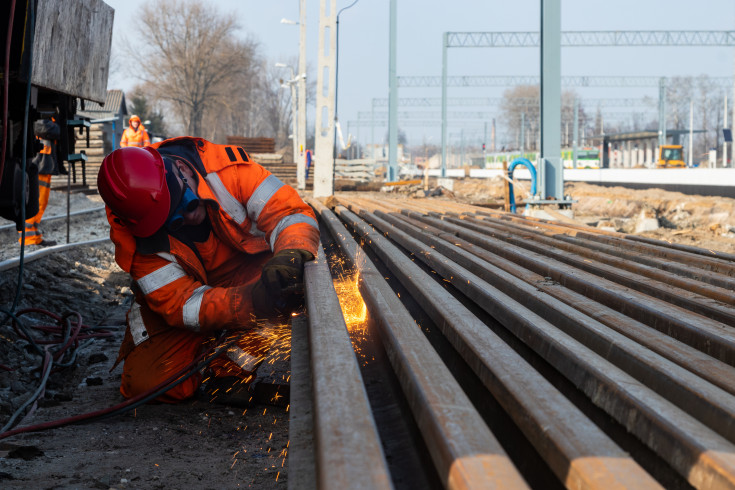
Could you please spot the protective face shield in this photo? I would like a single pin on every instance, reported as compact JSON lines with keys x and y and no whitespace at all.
{"x":188,"y":202}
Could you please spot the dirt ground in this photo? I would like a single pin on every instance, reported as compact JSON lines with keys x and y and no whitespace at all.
{"x":196,"y":444}
{"x":701,"y":221}
{"x":199,"y":444}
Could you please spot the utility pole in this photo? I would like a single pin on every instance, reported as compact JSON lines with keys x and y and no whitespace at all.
{"x":301,"y":126}
{"x":325,"y":98}
{"x":550,"y":166}
{"x":691,"y":132}
{"x":393,"y":95}
{"x":724,"y":143}
{"x":492,"y":137}
{"x":575,"y":133}
{"x":523,"y":133}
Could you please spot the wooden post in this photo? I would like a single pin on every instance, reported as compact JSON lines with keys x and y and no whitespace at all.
{"x":506,"y":187}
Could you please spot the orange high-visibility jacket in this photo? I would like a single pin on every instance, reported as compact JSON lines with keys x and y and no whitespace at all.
{"x":250,"y":209}
{"x":138,"y":138}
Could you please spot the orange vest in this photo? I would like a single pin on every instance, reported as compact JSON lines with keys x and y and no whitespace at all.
{"x":250,"y":210}
{"x":138,"y":138}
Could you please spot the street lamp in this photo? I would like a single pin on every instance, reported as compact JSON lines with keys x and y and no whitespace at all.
{"x":336,"y":85}
{"x":292,"y":84}
{"x":300,"y":134}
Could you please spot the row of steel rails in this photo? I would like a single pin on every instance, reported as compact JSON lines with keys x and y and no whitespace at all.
{"x":505,"y":351}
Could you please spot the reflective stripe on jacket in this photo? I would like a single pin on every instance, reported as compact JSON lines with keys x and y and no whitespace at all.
{"x":250,"y":210}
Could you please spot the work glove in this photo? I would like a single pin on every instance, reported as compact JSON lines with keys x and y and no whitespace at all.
{"x":281,"y":285}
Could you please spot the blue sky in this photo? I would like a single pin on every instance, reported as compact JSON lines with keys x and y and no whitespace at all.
{"x":364,"y":44}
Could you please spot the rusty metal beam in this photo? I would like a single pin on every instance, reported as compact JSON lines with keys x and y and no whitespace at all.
{"x":676,"y":436}
{"x":706,"y":257}
{"x":478,"y":260}
{"x":700,"y":398}
{"x":606,"y":258}
{"x":681,"y":263}
{"x":709,"y":336}
{"x":693,"y":301}
{"x":464,"y":451}
{"x":579,"y":453}
{"x":348,"y":455}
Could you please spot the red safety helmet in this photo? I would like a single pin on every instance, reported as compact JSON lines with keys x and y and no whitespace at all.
{"x":132,"y":182}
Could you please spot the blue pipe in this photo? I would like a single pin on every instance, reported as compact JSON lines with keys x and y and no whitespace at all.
{"x":531,"y":168}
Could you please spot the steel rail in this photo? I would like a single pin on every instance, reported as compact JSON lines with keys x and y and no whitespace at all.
{"x":722,"y":263}
{"x":301,"y":461}
{"x":577,"y":451}
{"x":719,"y":309}
{"x":684,"y":248}
{"x":463,"y":252}
{"x":621,"y":260}
{"x":15,"y":261}
{"x":681,"y":267}
{"x":348,"y":449}
{"x":700,"y":398}
{"x":464,"y":451}
{"x":667,"y":249}
{"x":675,"y":436}
{"x":58,"y":217}
{"x":709,"y":336}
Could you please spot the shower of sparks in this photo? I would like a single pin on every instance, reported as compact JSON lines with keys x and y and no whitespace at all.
{"x":354,"y":310}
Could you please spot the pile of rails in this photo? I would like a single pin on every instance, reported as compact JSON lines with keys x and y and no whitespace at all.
{"x":508,"y":352}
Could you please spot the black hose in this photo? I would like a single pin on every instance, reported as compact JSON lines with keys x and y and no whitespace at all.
{"x":6,"y":85}
{"x":32,"y":12}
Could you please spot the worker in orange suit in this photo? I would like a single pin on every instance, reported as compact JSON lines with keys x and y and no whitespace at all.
{"x":47,"y":133}
{"x":214,"y":243}
{"x":135,"y":134}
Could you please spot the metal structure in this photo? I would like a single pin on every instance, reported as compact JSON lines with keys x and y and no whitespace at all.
{"x":300,"y":133}
{"x":562,"y":356}
{"x":291,"y":85}
{"x":592,"y":38}
{"x":574,"y":39}
{"x":571,"y":81}
{"x":325,"y":99}
{"x":550,"y":167}
{"x":301,"y":127}
{"x":393,"y":95}
{"x":492,"y":101}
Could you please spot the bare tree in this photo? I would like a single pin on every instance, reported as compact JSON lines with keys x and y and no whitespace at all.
{"x":524,"y":102}
{"x":192,"y":58}
{"x":678,"y":94}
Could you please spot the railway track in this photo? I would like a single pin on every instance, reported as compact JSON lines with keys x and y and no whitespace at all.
{"x":83,"y":225}
{"x":498,"y":350}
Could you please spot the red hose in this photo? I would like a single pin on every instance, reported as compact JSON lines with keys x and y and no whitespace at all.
{"x":6,"y":84}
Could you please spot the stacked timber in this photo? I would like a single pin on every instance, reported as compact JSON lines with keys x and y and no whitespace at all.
{"x":253,"y":145}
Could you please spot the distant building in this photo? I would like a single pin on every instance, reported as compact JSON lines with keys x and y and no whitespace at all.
{"x":109,"y":118}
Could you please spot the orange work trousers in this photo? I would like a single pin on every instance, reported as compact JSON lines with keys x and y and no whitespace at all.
{"x":164,"y":354}
{"x":33,"y":234}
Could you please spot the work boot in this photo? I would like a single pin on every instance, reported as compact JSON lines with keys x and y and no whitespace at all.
{"x":230,"y":390}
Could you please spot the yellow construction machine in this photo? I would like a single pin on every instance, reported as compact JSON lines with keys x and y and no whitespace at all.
{"x":671,"y":156}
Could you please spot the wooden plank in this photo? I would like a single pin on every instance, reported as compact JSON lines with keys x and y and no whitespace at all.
{"x":71,"y":48}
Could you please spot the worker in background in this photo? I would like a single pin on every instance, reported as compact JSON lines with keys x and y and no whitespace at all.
{"x":135,"y":134}
{"x":47,"y":133}
{"x":214,"y":242}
